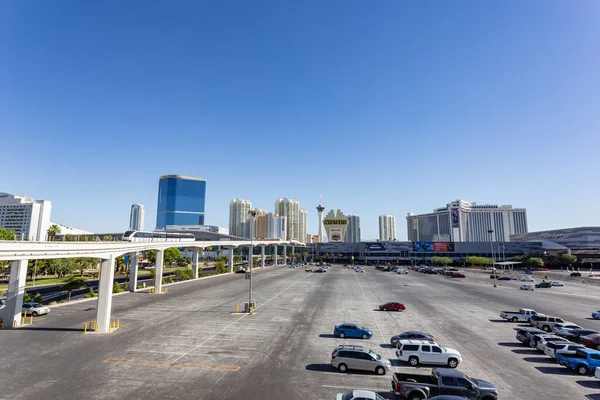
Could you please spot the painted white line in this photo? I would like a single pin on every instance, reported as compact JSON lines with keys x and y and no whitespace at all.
{"x":156,"y":351}
{"x":170,"y":344}
{"x":247,"y":348}
{"x":347,"y":387}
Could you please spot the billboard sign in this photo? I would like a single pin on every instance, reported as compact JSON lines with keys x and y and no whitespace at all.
{"x":455,"y":219}
{"x":336,"y":235}
{"x":375,"y":246}
{"x":423,"y":246}
{"x":443,"y":247}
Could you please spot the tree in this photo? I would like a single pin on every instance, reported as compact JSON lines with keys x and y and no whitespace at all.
{"x":84,"y":263}
{"x":73,"y":283}
{"x":5,"y":234}
{"x":68,"y":237}
{"x":38,"y":298}
{"x":475,"y":260}
{"x":534,"y":262}
{"x":560,"y":260}
{"x":62,"y":266}
{"x":208,"y":250}
{"x":441,"y":260}
{"x":107,"y":238}
{"x":171,"y":255}
{"x":150,"y":255}
{"x":220,"y":267}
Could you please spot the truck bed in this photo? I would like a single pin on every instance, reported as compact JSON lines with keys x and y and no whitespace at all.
{"x":417,"y":378}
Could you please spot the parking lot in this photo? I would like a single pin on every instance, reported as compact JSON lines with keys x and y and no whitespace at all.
{"x":190,"y":344}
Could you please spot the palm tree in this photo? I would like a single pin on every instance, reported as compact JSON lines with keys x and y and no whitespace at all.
{"x":208,"y":249}
{"x":107,"y":238}
{"x":53,"y":230}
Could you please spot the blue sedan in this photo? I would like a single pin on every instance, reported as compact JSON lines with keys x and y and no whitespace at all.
{"x":596,"y":314}
{"x":352,"y":331}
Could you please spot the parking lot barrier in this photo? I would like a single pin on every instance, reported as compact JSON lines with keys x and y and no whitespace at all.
{"x":2,"y":323}
{"x":237,"y":309}
{"x":252,"y":308}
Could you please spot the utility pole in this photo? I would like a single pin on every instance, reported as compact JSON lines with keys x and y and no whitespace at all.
{"x":252,"y":214}
{"x":491,"y":232}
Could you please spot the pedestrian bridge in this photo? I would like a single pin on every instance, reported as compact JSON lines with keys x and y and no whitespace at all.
{"x":20,"y":252}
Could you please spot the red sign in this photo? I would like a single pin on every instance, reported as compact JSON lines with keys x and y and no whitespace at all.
{"x":443,"y":247}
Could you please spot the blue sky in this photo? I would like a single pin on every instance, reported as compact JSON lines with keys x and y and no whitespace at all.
{"x":381,"y":107}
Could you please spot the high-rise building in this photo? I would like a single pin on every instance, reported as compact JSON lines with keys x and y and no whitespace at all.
{"x":260,"y":211}
{"x":310,"y":238}
{"x":136,"y":218}
{"x":270,"y":226}
{"x":302,"y":229}
{"x":290,"y":209}
{"x":239,"y":221}
{"x":464,"y":221}
{"x":387,"y":227}
{"x":28,"y":218}
{"x":353,"y":232}
{"x":181,"y":201}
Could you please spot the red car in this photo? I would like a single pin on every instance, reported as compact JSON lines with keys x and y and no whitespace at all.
{"x":492,"y":276}
{"x":592,"y":341}
{"x":458,"y":275}
{"x":392,"y":306}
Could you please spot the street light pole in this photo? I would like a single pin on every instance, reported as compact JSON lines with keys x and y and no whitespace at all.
{"x":252,"y":214}
{"x":491,"y":232}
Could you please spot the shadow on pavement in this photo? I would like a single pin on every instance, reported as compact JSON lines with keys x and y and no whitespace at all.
{"x":510,"y":344}
{"x":589,"y":384}
{"x":387,"y":395}
{"x":541,"y":360}
{"x":50,"y":329}
{"x":592,"y":319}
{"x":595,"y":396}
{"x":398,"y":363}
{"x":501,"y":321}
{"x":320,"y":368}
{"x":530,"y":352}
{"x":328,"y":335}
{"x":387,"y":346}
{"x":555,"y":370}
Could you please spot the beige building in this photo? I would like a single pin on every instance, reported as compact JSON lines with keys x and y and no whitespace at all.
{"x":290,"y":209}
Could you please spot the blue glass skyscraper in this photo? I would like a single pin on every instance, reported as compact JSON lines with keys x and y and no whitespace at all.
{"x":181,"y":201}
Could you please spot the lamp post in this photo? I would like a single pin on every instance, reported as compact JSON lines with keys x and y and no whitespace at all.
{"x":251,"y":214}
{"x":491,"y":232}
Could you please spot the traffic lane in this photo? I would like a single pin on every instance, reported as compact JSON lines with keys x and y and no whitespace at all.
{"x":489,"y":350}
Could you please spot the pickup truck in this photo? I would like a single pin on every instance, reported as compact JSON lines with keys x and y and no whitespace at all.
{"x":583,"y":361}
{"x":442,"y":381}
{"x":515,"y":316}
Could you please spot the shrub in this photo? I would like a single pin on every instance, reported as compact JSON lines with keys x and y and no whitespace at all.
{"x":201,"y":273}
{"x":163,"y":281}
{"x":92,"y":293}
{"x":62,"y":301}
{"x":117,"y":288}
{"x":26,"y":298}
{"x":126,"y":286}
{"x":52,"y":303}
{"x":152,"y":273}
{"x":184,"y":274}
{"x":37,"y":298}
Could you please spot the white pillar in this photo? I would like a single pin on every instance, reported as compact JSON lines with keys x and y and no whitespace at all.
{"x":103,"y":309}
{"x":262,"y":256}
{"x":195,"y":255}
{"x":159,"y":271}
{"x":133,"y":272}
{"x":284,"y":254}
{"x":230,"y":260}
{"x":16,"y":290}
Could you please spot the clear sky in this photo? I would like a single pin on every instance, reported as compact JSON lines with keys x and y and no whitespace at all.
{"x":382,"y":107}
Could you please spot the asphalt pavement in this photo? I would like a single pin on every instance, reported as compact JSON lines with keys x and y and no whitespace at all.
{"x":190,"y":344}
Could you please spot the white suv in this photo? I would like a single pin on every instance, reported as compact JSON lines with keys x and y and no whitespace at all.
{"x":417,"y":352}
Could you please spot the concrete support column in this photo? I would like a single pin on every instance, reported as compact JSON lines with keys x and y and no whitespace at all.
{"x":195,"y":256}
{"x":284,"y":254}
{"x":159,"y":271}
{"x":275,"y":255}
{"x":230,"y":259}
{"x":262,"y":256}
{"x":133,"y":272}
{"x":16,"y":290}
{"x":103,"y":309}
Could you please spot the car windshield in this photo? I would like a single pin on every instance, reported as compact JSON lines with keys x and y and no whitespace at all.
{"x":347,"y":396}
{"x":375,"y":355}
{"x":378,"y":397}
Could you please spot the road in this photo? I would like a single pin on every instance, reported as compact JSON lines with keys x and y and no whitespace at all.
{"x":190,"y":344}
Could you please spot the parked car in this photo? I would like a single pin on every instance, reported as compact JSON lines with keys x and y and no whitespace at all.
{"x":553,"y":348}
{"x":524,"y":314}
{"x":526,"y":279}
{"x":597,"y":374}
{"x":527,"y":287}
{"x":545,"y":339}
{"x":442,"y":381}
{"x":564,"y":327}
{"x":596,"y":314}
{"x":583,"y":361}
{"x":524,"y":335}
{"x":320,"y":270}
{"x":591,"y":341}
{"x":417,"y":352}
{"x":346,"y":357}
{"x":504,"y":278}
{"x":543,"y":285}
{"x":534,"y":318}
{"x":35,"y":309}
{"x":577,"y":274}
{"x":458,"y":275}
{"x":574,"y":334}
{"x":492,"y":276}
{"x":415,"y":335}
{"x":401,"y":271}
{"x":359,"y":395}
{"x":392,"y":306}
{"x":352,"y":331}
{"x":546,"y":322}
{"x":556,"y":283}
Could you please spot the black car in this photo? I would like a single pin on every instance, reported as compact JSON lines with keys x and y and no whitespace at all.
{"x":543,"y":285}
{"x":431,"y":272}
{"x":575,"y":273}
{"x":574,"y":334}
{"x":504,"y":278}
{"x":415,"y":335}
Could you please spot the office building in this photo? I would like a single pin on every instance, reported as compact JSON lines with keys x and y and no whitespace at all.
{"x":310,"y":238}
{"x":290,"y":209}
{"x":573,"y":238}
{"x":136,"y":218}
{"x":387,"y":227}
{"x":28,"y":218}
{"x":270,"y":226}
{"x":302,"y":228}
{"x":239,"y":220}
{"x":464,"y":221}
{"x":353,"y":231}
{"x":181,"y":201}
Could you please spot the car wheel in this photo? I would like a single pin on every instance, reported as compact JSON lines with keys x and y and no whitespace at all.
{"x":365,"y":336}
{"x":414,"y":361}
{"x":342,"y":367}
{"x":35,"y":314}
{"x":416,"y":397}
{"x":514,"y":319}
{"x":453,"y":363}
{"x":533,"y":343}
{"x":342,"y":335}
{"x":546,"y":328}
{"x":582,"y":369}
{"x":380,"y":370}
{"x":598,"y":347}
